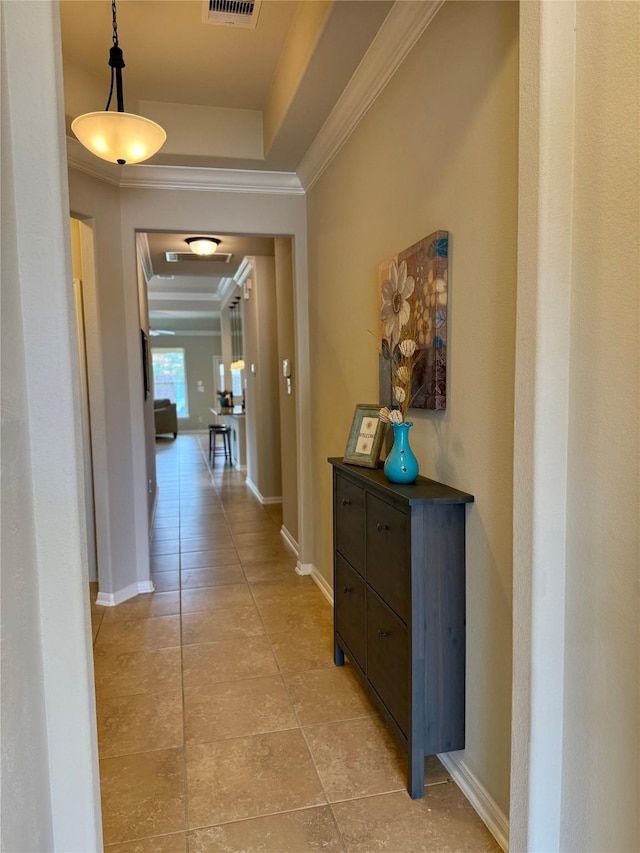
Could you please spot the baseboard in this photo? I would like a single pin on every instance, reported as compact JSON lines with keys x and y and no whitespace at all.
{"x":153,"y":511}
{"x":111,"y":599}
{"x":261,"y":498}
{"x":310,"y":569}
{"x":481,"y":800}
{"x":288,"y":538}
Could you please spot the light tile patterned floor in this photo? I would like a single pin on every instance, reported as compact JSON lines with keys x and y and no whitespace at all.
{"x":223,"y":723}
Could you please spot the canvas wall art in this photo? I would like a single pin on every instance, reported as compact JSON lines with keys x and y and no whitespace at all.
{"x":413,"y":306}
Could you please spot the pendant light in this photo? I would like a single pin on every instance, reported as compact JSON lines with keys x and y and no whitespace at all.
{"x":237,"y":362}
{"x":118,"y":137}
{"x":203,"y":245}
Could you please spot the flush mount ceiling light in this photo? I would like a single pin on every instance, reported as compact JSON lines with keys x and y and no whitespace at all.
{"x":118,"y":137}
{"x":203,"y":245}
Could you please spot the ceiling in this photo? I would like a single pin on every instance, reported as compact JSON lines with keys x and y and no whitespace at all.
{"x":193,"y":288}
{"x":228,"y":97}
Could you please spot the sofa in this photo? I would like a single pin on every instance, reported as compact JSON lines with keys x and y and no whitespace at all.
{"x":166,"y":417}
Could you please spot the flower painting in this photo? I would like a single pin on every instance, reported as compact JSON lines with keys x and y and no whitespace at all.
{"x":413,"y":326}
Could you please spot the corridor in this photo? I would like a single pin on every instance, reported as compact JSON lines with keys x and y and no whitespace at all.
{"x":223,"y":724}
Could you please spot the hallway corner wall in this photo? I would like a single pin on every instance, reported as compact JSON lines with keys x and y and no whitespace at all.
{"x":576,"y":698}
{"x":50,"y":786}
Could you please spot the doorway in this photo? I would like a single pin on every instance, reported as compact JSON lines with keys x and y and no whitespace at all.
{"x":188,"y":299}
{"x":82,"y":233}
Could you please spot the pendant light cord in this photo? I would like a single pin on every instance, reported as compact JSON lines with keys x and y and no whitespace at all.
{"x":116,"y":63}
{"x":115,"y":22}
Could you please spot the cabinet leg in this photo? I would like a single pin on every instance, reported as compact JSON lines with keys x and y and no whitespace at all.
{"x":338,"y":654}
{"x":415,"y":780}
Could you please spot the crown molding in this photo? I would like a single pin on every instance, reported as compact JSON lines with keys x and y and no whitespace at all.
{"x":187,"y":333}
{"x":108,"y":172}
{"x":183,"y":297}
{"x":211,"y":180}
{"x":145,"y":176}
{"x":401,"y":29}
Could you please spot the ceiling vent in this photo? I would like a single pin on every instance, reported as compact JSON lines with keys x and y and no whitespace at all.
{"x":218,"y":258}
{"x":232,"y":13}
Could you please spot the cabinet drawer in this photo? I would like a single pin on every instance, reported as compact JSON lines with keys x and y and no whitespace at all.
{"x":350,"y":524}
{"x":389,"y":554}
{"x":350,"y":610}
{"x":388,"y":658}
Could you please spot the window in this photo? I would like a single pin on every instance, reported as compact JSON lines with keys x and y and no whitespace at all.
{"x":170,"y":377}
{"x":236,"y":382}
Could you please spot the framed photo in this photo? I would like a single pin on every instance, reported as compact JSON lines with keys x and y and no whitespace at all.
{"x":366,"y":436}
{"x":145,"y":364}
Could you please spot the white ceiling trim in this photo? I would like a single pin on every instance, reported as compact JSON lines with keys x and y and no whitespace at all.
{"x":187,"y":333}
{"x":99,"y":169}
{"x":211,"y":180}
{"x":183,"y":297}
{"x":401,"y":29}
{"x":182,"y":177}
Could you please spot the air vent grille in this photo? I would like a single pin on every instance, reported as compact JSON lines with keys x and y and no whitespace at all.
{"x":232,"y":13}
{"x":218,"y":258}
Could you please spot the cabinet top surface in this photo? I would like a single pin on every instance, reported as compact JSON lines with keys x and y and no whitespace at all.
{"x":422,"y":490}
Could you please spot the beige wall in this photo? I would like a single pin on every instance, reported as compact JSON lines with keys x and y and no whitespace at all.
{"x":108,"y":363}
{"x":438,"y":149}
{"x":260,"y":326}
{"x":286,"y":349}
{"x":602,"y":645}
{"x":26,"y":798}
{"x":50,"y":780}
{"x":576,"y":696}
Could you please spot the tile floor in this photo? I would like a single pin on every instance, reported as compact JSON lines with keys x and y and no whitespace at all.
{"x":223,"y":724}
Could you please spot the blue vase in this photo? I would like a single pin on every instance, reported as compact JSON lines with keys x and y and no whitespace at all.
{"x":401,"y":465}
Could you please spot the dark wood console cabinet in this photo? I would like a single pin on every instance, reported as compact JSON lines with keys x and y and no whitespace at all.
{"x":399,"y":604}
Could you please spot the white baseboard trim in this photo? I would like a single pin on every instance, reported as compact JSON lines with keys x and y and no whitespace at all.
{"x":325,"y":587}
{"x":288,"y":538}
{"x":111,"y":599}
{"x":153,"y":511}
{"x":481,"y":800}
{"x":261,"y":498}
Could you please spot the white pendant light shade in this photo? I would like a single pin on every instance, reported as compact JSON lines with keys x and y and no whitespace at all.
{"x":119,"y":137}
{"x":203,"y":245}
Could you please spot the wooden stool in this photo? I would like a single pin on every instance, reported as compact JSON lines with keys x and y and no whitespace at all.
{"x":214,"y":431}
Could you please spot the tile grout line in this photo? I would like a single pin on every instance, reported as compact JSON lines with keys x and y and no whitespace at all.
{"x":185,"y":780}
{"x":252,"y":585}
{"x":288,"y":693}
